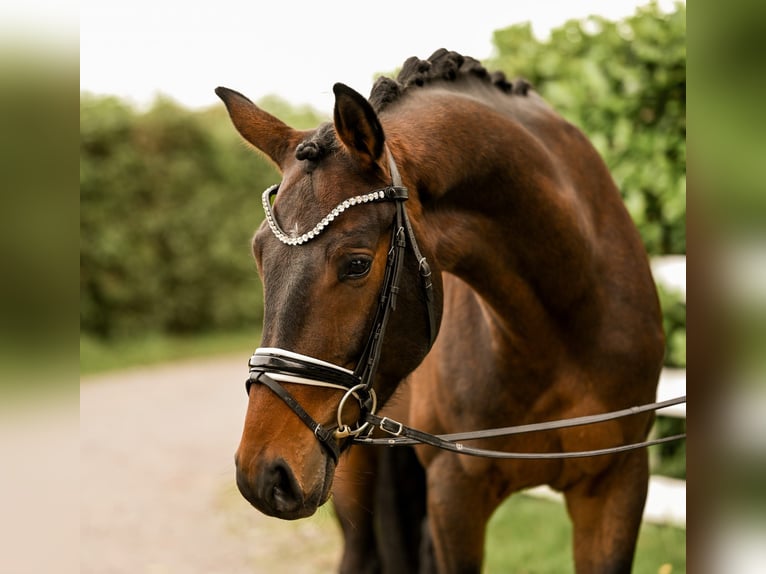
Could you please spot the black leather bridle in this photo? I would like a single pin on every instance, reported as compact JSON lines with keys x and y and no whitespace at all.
{"x":274,"y":366}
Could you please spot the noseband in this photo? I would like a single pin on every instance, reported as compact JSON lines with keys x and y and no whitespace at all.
{"x":273,"y":366}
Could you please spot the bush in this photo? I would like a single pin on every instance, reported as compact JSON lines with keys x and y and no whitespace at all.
{"x":624,"y":84}
{"x":168,"y":205}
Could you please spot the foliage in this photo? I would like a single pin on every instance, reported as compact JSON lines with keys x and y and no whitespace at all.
{"x":624,"y":84}
{"x":669,"y":459}
{"x":674,"y":323}
{"x":169,"y":200}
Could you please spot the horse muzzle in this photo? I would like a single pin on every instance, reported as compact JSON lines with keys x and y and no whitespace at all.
{"x":275,"y":489}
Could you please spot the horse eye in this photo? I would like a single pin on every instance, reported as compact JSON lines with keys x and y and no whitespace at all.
{"x":356,"y":268}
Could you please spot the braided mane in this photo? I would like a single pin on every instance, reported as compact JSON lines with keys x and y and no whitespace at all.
{"x":441,"y":66}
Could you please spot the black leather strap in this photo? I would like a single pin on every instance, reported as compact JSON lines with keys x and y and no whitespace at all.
{"x":404,"y":435}
{"x":325,"y":436}
{"x":424,"y":267}
{"x":266,"y":363}
{"x":370,"y":357}
{"x":425,"y":277}
{"x":396,"y":192}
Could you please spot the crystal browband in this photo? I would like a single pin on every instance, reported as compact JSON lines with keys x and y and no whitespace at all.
{"x":386,"y":194}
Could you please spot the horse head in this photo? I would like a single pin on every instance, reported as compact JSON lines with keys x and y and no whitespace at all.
{"x":324,"y":254}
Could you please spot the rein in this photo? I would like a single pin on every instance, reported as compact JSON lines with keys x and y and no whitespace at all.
{"x":273,"y":366}
{"x":404,"y":435}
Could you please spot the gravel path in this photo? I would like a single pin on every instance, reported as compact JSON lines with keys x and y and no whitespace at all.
{"x":157,"y":480}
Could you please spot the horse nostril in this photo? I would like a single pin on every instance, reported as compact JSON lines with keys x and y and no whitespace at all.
{"x":281,"y":489}
{"x":272,"y":490}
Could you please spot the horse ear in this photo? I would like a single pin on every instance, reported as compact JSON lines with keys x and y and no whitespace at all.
{"x":267,"y":133}
{"x":357,"y":124}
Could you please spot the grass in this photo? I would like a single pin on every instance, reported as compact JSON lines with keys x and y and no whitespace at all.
{"x":532,"y":536}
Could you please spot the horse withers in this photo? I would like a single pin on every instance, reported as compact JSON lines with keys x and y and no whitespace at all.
{"x":457,"y":202}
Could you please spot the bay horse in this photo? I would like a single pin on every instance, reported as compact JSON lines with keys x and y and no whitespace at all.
{"x":456,"y":202}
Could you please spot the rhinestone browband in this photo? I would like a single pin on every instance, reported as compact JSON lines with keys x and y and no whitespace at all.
{"x":388,"y":193}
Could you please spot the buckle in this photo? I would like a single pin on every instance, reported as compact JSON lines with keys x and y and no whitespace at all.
{"x":424,"y":267}
{"x":396,"y":192}
{"x":393,"y":430}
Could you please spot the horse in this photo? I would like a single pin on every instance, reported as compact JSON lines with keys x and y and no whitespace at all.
{"x":452,"y":242}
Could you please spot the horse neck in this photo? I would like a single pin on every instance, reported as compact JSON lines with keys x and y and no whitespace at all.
{"x":497,"y":210}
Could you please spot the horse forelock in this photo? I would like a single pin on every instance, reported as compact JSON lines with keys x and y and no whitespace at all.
{"x":320,"y":143}
{"x":445,"y":67}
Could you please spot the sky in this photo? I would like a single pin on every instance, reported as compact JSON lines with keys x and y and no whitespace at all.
{"x":296,"y":49}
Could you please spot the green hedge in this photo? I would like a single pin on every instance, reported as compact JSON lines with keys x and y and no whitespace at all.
{"x":624,"y":84}
{"x":169,"y":200}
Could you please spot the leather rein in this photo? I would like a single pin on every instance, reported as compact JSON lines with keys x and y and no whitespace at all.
{"x":272,"y":366}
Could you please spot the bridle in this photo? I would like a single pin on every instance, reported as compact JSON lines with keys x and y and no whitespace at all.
{"x":273,"y":366}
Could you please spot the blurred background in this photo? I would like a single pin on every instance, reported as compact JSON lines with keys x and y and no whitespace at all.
{"x":39,"y":450}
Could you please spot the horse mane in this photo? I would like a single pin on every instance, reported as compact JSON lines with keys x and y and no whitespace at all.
{"x":441,"y":66}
